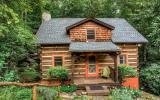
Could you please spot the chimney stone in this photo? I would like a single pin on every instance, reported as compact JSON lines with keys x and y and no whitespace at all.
{"x":46,"y":16}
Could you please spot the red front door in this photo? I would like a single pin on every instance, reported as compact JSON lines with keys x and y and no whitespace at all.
{"x":91,"y":67}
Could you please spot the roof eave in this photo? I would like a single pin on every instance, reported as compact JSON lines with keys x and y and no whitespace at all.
{"x":90,"y":19}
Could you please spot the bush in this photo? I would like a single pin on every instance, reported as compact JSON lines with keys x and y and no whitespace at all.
{"x":67,"y":89}
{"x":127,"y":71}
{"x":11,"y":76}
{"x":46,"y":93}
{"x":15,"y":93}
{"x":150,"y":78}
{"x":58,"y":73}
{"x":125,"y":94}
{"x":29,"y":76}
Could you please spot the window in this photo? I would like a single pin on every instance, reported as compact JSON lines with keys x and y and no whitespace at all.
{"x":122,"y":59}
{"x":92,"y":64}
{"x":58,"y":61}
{"x":90,"y":34}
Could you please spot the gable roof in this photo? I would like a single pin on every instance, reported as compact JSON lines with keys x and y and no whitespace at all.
{"x":89,"y":19}
{"x":54,"y":31}
{"x":93,"y":46}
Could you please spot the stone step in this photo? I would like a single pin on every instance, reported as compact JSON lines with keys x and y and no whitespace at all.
{"x":97,"y":90}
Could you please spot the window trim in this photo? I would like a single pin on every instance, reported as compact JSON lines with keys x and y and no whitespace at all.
{"x":94,"y":35}
{"x":53,"y":60}
{"x":126,"y":58}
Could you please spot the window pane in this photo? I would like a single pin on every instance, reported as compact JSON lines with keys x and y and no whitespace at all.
{"x":90,"y":34}
{"x":92,"y":64}
{"x":92,"y":69}
{"x":122,"y":59}
{"x":57,"y":61}
{"x":92,"y":60}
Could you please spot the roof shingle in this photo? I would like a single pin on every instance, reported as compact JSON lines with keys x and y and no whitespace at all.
{"x":93,"y":46}
{"x":54,"y":31}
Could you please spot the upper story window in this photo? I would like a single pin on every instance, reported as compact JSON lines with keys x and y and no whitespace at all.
{"x":58,"y":61}
{"x":90,"y":35}
{"x":122,"y":59}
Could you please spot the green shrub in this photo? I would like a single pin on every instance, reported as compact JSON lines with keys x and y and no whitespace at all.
{"x":58,"y":73}
{"x":29,"y":76}
{"x":24,"y":94}
{"x":127,"y":71}
{"x":11,"y":76}
{"x":15,"y":93}
{"x":150,"y":78}
{"x":67,"y":89}
{"x":46,"y":93}
{"x":125,"y":94}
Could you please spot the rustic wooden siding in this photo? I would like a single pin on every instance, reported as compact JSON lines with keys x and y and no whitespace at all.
{"x":131,"y":53}
{"x":104,"y":60}
{"x":79,"y":69}
{"x":79,"y":33}
{"x":47,"y":57}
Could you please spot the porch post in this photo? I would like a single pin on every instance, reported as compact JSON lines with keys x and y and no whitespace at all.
{"x":72,"y":65}
{"x":116,"y":66}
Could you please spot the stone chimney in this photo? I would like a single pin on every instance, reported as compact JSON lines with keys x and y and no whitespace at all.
{"x":46,"y":16}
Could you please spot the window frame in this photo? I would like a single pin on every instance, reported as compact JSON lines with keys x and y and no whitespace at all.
{"x":92,"y":64}
{"x":54,"y":63}
{"x":94,"y":34}
{"x":124,"y":59}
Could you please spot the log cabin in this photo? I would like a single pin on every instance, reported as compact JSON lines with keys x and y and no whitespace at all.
{"x":85,"y":46}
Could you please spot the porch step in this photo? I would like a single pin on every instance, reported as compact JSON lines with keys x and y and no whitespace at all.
{"x":97,"y":90}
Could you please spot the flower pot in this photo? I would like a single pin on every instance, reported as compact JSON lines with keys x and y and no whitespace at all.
{"x":132,"y":82}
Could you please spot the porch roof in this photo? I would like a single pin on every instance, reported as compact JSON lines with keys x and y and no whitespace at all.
{"x":93,"y":47}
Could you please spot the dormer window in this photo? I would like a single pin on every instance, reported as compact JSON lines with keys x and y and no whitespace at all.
{"x":90,"y":35}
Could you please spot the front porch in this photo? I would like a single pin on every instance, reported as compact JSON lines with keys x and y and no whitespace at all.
{"x":93,"y":81}
{"x":87,"y":67}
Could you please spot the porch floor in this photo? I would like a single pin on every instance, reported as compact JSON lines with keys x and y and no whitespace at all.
{"x":92,"y":81}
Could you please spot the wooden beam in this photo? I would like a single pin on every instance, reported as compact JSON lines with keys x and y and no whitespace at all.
{"x":116,"y":67}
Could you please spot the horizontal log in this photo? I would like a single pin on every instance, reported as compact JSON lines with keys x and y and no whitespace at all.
{"x":46,"y":65}
{"x":47,"y":56}
{"x":43,"y":61}
{"x":132,"y":60}
{"x":106,"y":63}
{"x":132,"y":64}
{"x":132,"y":56}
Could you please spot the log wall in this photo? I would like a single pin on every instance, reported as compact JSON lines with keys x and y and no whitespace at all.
{"x":79,"y":33}
{"x":103,"y":59}
{"x":47,"y":57}
{"x":131,"y":53}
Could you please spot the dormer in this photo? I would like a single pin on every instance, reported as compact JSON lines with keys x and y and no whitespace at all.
{"x":89,"y":30}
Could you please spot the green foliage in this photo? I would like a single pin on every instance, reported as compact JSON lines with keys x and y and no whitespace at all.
{"x":16,"y":42}
{"x":127,"y":71}
{"x":11,"y":76}
{"x":46,"y":93}
{"x":125,"y":94}
{"x":15,"y":93}
{"x":58,"y":73}
{"x":19,"y":17}
{"x":71,"y":88}
{"x":29,"y":76}
{"x":150,"y":78}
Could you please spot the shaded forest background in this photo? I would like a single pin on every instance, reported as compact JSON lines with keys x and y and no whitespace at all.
{"x":20,"y":19}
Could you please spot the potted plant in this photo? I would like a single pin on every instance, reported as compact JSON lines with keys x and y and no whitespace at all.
{"x":128,"y":76}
